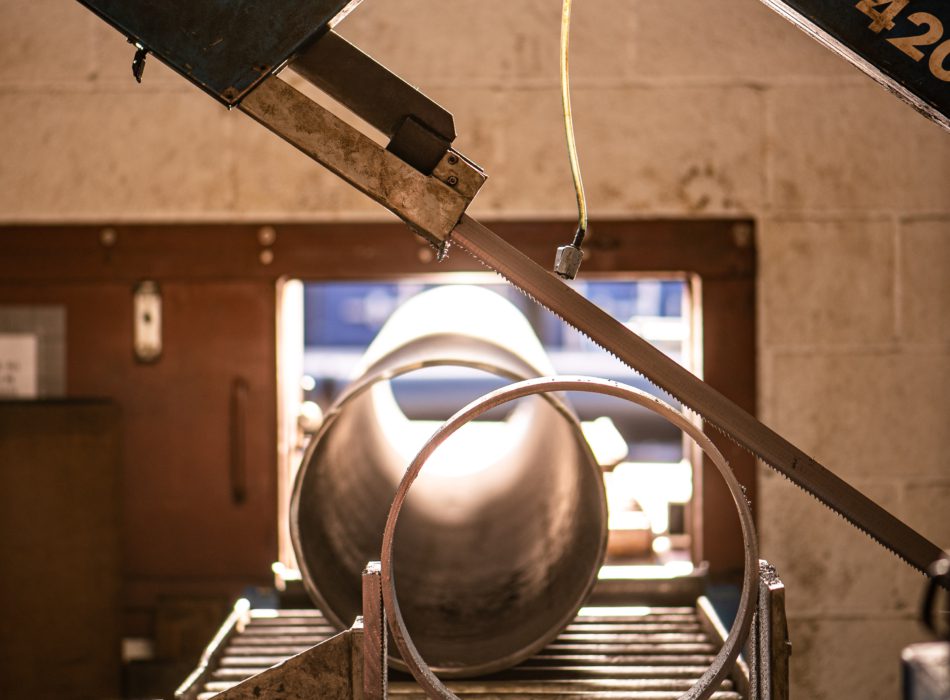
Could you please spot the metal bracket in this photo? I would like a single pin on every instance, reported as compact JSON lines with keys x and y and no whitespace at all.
{"x":769,"y":648}
{"x":421,"y":130}
{"x":331,"y":670}
{"x":348,"y":666}
{"x":375,"y":685}
{"x":138,"y":62}
{"x":431,"y":204}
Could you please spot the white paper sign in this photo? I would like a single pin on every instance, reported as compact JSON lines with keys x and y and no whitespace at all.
{"x":18,"y":367}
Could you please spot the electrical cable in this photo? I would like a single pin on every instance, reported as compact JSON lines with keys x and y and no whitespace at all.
{"x":569,"y":125}
{"x":568,"y":258}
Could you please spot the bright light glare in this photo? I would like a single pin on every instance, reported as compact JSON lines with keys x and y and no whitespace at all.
{"x":654,"y":485}
{"x":311,"y":417}
{"x":615,"y":611}
{"x":671,"y":569}
{"x":628,"y":520}
{"x":476,"y":446}
{"x":466,"y":311}
{"x":606,"y":442}
{"x":662,"y":544}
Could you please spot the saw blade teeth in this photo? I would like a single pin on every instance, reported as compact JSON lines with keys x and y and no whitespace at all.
{"x":687,"y":408}
{"x":683,"y":407}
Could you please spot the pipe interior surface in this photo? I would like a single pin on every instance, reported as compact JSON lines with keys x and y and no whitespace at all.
{"x":501,"y":539}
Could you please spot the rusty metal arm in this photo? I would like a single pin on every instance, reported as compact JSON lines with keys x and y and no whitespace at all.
{"x":431,"y":204}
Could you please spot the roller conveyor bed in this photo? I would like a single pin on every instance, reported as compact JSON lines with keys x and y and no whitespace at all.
{"x":641,"y":652}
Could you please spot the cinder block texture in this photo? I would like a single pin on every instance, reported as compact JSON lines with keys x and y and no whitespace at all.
{"x":848,"y":658}
{"x":685,"y":150}
{"x":494,"y":42}
{"x":828,"y":566}
{"x":45,"y":41}
{"x":927,"y":508}
{"x":854,"y":148}
{"x":827,"y":282}
{"x":866,"y":415}
{"x":925,"y":281}
{"x":735,"y":39}
{"x":72,"y":155}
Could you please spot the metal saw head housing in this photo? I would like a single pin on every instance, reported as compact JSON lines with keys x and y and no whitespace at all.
{"x":225,"y":47}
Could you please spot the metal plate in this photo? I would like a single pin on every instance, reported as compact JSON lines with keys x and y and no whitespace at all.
{"x":877,"y":36}
{"x":223,"y":46}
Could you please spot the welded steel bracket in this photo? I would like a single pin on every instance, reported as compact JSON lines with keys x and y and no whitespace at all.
{"x":762,"y":672}
{"x":375,"y":685}
{"x":768,"y":646}
{"x":350,"y":665}
{"x":331,"y":670}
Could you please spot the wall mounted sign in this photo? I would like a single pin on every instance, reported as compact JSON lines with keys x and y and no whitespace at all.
{"x":18,"y":365}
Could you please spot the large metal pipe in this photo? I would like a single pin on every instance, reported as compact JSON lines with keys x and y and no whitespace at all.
{"x":500,"y":541}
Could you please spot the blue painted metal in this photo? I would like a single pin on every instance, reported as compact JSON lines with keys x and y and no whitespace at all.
{"x":854,"y":33}
{"x":226,"y":47}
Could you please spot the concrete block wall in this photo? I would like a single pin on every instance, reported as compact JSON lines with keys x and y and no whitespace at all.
{"x":681,"y":108}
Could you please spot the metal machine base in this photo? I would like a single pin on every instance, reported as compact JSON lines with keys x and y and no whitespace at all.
{"x":654,"y":650}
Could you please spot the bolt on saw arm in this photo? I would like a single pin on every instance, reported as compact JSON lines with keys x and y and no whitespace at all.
{"x":234,"y":51}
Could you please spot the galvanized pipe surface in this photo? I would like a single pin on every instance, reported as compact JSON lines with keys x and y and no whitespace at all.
{"x":493,"y":559}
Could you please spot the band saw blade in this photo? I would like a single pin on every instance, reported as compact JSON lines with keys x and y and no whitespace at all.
{"x":714,"y":408}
